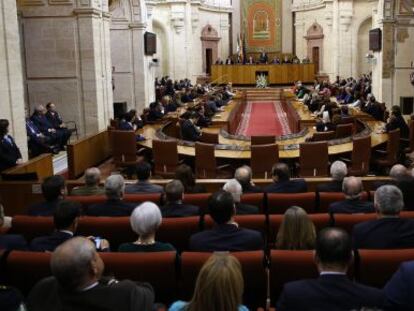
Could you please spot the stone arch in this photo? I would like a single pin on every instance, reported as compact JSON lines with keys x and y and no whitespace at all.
{"x":363,"y":45}
{"x":314,"y":37}
{"x":162,"y":48}
{"x":209,"y":46}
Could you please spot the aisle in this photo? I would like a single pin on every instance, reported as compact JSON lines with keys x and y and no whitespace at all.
{"x":264,"y":118}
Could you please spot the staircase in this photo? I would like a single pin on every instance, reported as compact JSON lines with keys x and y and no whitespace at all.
{"x":263,"y":94}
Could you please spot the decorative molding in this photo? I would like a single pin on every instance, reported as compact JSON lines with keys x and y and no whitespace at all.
{"x":309,"y":5}
{"x":195,"y":20}
{"x":329,"y":18}
{"x":32,"y":2}
{"x":138,"y":25}
{"x":60,"y":2}
{"x":177,"y":20}
{"x":345,"y":19}
{"x":88,"y":12}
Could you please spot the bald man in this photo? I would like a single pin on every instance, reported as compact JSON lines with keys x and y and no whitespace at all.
{"x":352,"y":188}
{"x":77,"y":284}
{"x":244,"y":176}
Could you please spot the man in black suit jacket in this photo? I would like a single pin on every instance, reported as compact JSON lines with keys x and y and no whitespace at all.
{"x":235,"y":189}
{"x":65,"y":219}
{"x":399,"y":291}
{"x":114,"y":206}
{"x":53,"y":190}
{"x":143,"y":185}
{"x":55,"y":119}
{"x":244,"y":176}
{"x":46,"y":128}
{"x":86,"y":289}
{"x":9,"y":152}
{"x":189,"y":130}
{"x":226,"y":234}
{"x":352,"y":188}
{"x":338,"y":173}
{"x":332,"y":290}
{"x":389,"y":231}
{"x":174,"y":206}
{"x":282,"y":182}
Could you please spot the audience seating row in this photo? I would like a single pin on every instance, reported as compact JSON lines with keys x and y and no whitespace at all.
{"x":272,"y":203}
{"x":175,"y":279}
{"x":177,"y":231}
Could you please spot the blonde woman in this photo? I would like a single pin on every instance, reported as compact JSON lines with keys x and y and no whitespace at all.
{"x":219,"y":287}
{"x":297,"y":231}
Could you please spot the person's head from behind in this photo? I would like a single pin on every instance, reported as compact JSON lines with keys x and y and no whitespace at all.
{"x":396,"y":110}
{"x":143,"y":170}
{"x":338,"y":170}
{"x":243,"y":175}
{"x":221,"y":207}
{"x":352,"y":187}
{"x":185,"y":174}
{"x":4,"y":127}
{"x":145,"y":220}
{"x":66,"y":216}
{"x":39,"y":110}
{"x":388,"y":201}
{"x":280,"y":172}
{"x":174,"y":191}
{"x":333,"y":250}
{"x":92,"y":176}
{"x":114,"y":187}
{"x":219,"y":285}
{"x":76,"y":264}
{"x":53,"y":187}
{"x":398,"y":172}
{"x":297,"y":231}
{"x":234,"y":188}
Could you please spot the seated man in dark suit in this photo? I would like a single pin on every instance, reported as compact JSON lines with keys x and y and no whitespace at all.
{"x":402,"y":178}
{"x":91,"y":187}
{"x":399,"y":291}
{"x":235,"y":189}
{"x":53,"y":190}
{"x":389,"y":231}
{"x":77,"y":284}
{"x":282,"y":182}
{"x":65,"y":220}
{"x":189,"y":130}
{"x":9,"y":152}
{"x":174,"y":206}
{"x":46,"y":128}
{"x":226,"y":234}
{"x":332,"y":290}
{"x":126,"y":125}
{"x":155,"y":112}
{"x":338,"y":173}
{"x":55,"y":119}
{"x":244,"y":176}
{"x":37,"y":142}
{"x":114,"y":205}
{"x":143,"y":185}
{"x":352,"y":188}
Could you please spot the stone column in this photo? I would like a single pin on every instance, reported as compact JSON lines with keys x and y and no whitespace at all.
{"x":11,"y":77}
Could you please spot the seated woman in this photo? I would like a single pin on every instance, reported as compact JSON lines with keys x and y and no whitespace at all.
{"x":145,"y":220}
{"x":184,"y":173}
{"x":219,"y":286}
{"x":297,"y":231}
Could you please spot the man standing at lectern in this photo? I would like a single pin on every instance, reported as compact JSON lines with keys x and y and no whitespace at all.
{"x":263,"y":57}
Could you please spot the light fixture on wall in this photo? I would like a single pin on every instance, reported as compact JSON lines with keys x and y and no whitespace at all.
{"x":371,"y":59}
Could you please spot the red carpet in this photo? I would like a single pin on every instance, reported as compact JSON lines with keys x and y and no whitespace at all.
{"x":264,"y":118}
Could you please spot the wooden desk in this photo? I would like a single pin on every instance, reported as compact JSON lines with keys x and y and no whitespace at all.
{"x":277,"y":74}
{"x":41,"y":165}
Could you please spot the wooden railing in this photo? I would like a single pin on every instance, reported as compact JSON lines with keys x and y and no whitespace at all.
{"x":41,"y":165}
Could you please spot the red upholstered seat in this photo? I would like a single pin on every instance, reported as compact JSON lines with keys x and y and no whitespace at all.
{"x":256,"y":199}
{"x":348,"y":221}
{"x":31,"y":227}
{"x":178,"y":231}
{"x":197,"y":199}
{"x":377,"y":266}
{"x":407,"y":214}
{"x":253,"y":274}
{"x":254,"y":222}
{"x":327,"y":198}
{"x":278,"y":203}
{"x":158,"y":269}
{"x":137,"y":198}
{"x":25,"y":269}
{"x":116,"y":230}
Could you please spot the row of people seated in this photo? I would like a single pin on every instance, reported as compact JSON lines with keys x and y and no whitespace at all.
{"x":332,"y":290}
{"x":262,"y":59}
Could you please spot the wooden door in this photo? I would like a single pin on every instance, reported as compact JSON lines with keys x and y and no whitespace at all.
{"x":315,"y":58}
{"x":209,"y":60}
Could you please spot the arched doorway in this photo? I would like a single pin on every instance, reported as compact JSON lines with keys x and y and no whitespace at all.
{"x":209,"y":47}
{"x":363,"y":46}
{"x":314,"y":37}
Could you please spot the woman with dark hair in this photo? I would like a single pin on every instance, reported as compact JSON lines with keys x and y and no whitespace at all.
{"x":396,"y":121}
{"x":184,"y":174}
{"x":9,"y":152}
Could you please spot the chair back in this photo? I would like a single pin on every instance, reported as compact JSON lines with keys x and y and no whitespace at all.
{"x":262,"y":159}
{"x":348,"y":221}
{"x":411,"y":136}
{"x":393,"y":146}
{"x":206,"y":165}
{"x":262,"y":140}
{"x":124,"y":146}
{"x":165,"y":155}
{"x":348,"y":120}
{"x":313,"y":159}
{"x":327,"y":198}
{"x":178,"y":231}
{"x":323,"y":136}
{"x":197,"y":199}
{"x":31,"y":226}
{"x":344,"y":130}
{"x":209,"y":138}
{"x":278,"y":203}
{"x":361,"y":156}
{"x":256,"y":199}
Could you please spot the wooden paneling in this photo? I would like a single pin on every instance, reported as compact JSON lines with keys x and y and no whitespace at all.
{"x":88,"y":152}
{"x":278,"y":74}
{"x":42,"y":165}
